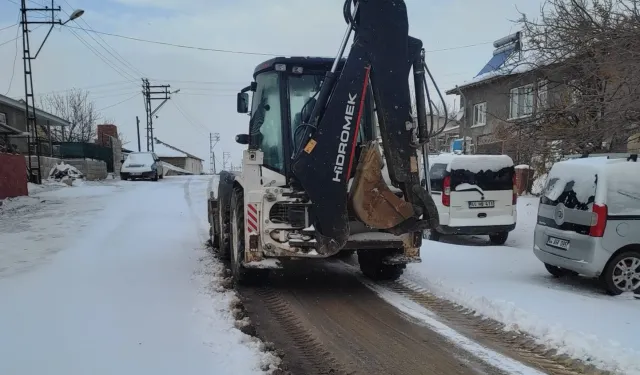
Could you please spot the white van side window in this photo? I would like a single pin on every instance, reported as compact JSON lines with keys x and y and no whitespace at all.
{"x":623,"y":194}
{"x":436,"y":176}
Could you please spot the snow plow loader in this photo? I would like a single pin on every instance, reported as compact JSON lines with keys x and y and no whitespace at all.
{"x":332,"y":157}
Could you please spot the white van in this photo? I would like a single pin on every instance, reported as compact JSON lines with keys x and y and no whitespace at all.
{"x":475,"y":195}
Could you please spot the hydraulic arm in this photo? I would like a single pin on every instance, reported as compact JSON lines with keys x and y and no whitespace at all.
{"x":382,"y":55}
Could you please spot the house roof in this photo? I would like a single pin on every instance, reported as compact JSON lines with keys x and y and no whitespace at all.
{"x":166,"y":152}
{"x":6,"y":129}
{"x":508,"y":59}
{"x":19,"y":105}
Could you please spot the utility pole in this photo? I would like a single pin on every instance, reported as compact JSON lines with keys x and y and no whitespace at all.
{"x":225,"y":159}
{"x":214,"y":138}
{"x":160,"y":92}
{"x":33,"y":137}
{"x":138,"y":132}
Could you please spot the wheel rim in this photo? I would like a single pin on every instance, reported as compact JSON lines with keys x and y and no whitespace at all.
{"x":626,"y":274}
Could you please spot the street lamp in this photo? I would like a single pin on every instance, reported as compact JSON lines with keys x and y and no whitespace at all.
{"x":74,"y":15}
{"x":30,"y":105}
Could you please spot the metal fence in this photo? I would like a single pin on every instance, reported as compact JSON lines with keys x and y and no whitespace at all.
{"x":79,"y":150}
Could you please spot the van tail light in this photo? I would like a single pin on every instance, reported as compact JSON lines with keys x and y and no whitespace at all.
{"x":599,"y":220}
{"x":514,"y":197}
{"x":446,"y":191}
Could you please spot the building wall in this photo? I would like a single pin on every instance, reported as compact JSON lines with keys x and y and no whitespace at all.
{"x":190,"y":164}
{"x":13,"y":176}
{"x":194,"y":165}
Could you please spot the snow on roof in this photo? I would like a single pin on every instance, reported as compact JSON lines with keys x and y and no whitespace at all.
{"x":165,"y":152}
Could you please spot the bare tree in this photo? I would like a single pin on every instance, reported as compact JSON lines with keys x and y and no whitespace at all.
{"x":588,"y":51}
{"x":75,"y":107}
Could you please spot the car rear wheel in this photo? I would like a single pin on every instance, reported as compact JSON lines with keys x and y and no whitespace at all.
{"x":155,"y":176}
{"x":559,"y":271}
{"x":372,"y":266}
{"x":622,"y":273}
{"x":431,"y":235}
{"x":499,"y":238}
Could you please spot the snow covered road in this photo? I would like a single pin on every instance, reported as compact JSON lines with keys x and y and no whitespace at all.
{"x":509,"y":284}
{"x":113,"y":278}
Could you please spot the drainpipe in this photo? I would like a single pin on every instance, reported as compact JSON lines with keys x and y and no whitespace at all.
{"x":464,"y":122}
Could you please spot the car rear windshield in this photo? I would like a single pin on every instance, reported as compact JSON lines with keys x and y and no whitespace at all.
{"x":140,"y":159}
{"x":501,"y":179}
{"x":574,"y":193}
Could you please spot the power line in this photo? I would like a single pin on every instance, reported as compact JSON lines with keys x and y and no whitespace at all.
{"x":119,"y":57}
{"x":15,"y":57}
{"x":8,"y":27}
{"x":239,"y":52}
{"x":176,"y":45}
{"x":118,"y":103}
{"x":122,"y":73}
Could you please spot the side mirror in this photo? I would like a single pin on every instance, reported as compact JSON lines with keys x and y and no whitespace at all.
{"x":242,"y":139}
{"x":243,"y":102}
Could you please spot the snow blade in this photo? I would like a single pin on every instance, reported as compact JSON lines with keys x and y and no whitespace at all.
{"x":371,"y":199}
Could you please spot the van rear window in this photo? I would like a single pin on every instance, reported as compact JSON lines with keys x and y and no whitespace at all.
{"x":574,"y":194}
{"x":501,"y":179}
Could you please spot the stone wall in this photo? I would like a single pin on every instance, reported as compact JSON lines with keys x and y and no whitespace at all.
{"x":92,"y":169}
{"x":117,"y":156}
{"x":46,"y":164}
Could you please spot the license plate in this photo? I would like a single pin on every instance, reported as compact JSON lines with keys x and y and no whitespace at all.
{"x":482,"y":204}
{"x":558,"y":243}
{"x":136,"y":174}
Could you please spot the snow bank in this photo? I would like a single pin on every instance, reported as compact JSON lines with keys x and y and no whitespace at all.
{"x":538,"y":184}
{"x":510,"y":285}
{"x":477,"y":163}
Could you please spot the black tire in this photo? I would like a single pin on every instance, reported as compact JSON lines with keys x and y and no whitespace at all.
{"x":123,"y":178}
{"x":155,"y":176}
{"x":431,"y":235}
{"x":161,"y":176}
{"x":241,"y":275}
{"x":344,"y":254}
{"x":559,"y":271}
{"x":224,"y":229}
{"x":612,"y":271}
{"x":372,"y":267}
{"x":499,"y":238}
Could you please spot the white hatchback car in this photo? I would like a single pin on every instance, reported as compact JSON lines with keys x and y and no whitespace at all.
{"x":475,"y":195}
{"x":145,"y":165}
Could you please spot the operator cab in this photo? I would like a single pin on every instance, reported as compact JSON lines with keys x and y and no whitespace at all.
{"x":284,"y":94}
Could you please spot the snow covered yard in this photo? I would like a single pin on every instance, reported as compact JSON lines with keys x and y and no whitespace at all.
{"x":113,"y":277}
{"x":509,"y":284}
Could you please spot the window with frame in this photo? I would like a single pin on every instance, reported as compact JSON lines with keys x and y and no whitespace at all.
{"x":543,"y":94}
{"x":265,"y":126}
{"x":521,"y":101}
{"x":3,"y":118}
{"x":480,"y":114}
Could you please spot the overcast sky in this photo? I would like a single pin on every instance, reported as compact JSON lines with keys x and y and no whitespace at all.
{"x":458,"y":32}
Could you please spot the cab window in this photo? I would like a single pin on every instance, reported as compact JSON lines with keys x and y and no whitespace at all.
{"x":265,"y":126}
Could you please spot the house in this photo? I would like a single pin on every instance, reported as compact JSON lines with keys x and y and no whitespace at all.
{"x":506,"y":91}
{"x":176,"y":157}
{"x":14,"y":125}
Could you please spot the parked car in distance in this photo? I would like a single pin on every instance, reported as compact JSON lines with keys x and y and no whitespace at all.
{"x":474,"y":194}
{"x":143,"y":165}
{"x":588,"y":221}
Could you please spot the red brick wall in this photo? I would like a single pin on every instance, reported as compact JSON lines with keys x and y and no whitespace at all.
{"x":104,"y":131}
{"x":13,"y":176}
